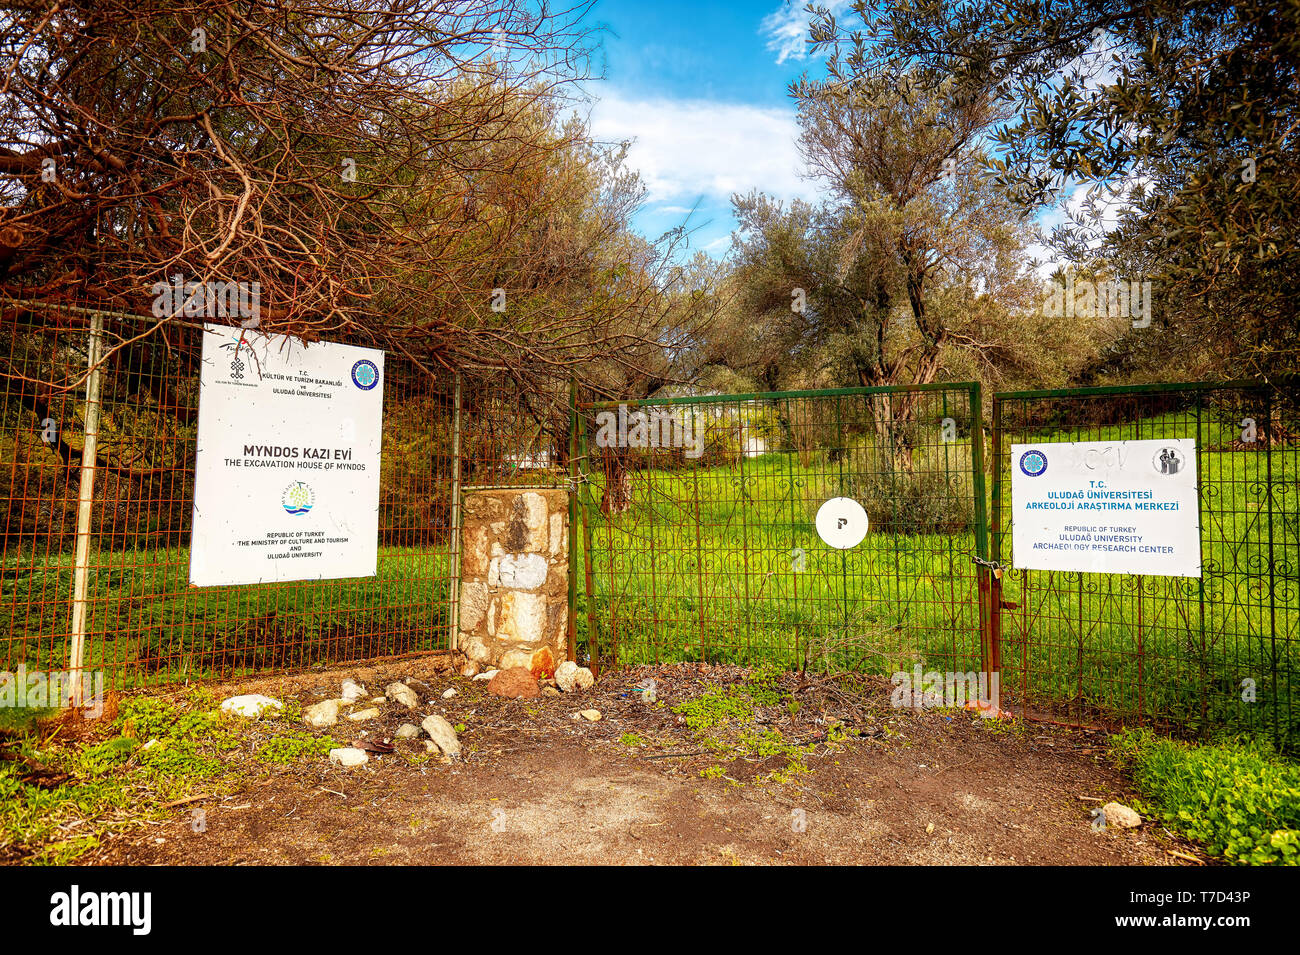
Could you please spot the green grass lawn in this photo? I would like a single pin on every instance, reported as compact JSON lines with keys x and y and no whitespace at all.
{"x":145,"y":621}
{"x":755,"y":584}
{"x":724,"y":564}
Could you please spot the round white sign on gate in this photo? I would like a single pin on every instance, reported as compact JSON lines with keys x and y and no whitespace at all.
{"x":842,"y":523}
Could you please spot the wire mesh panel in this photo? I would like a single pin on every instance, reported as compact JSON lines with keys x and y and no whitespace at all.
{"x":143,"y":622}
{"x":1206,"y":655}
{"x":700,"y":540}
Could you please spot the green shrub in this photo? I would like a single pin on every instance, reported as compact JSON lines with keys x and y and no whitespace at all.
{"x":1240,"y":800}
{"x":914,"y":502}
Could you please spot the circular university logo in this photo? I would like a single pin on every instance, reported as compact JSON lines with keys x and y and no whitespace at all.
{"x":298,"y":498}
{"x":1169,"y":461}
{"x":365,"y":375}
{"x":1033,"y":463}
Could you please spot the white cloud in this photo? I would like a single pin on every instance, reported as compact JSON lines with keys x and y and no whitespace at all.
{"x":786,"y":29}
{"x":688,"y":149}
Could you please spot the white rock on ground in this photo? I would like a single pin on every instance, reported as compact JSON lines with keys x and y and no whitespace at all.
{"x":407,"y":731}
{"x":325,"y":713}
{"x":569,"y":677}
{"x":449,"y":693}
{"x":401,"y":693}
{"x":353,"y":691}
{"x":442,"y":733}
{"x":1117,"y":814}
{"x":349,"y":756}
{"x":486,"y":675}
{"x":251,"y":705}
{"x":590,"y":715}
{"x":367,"y":714}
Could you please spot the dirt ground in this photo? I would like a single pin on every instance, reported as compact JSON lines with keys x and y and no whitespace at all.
{"x":537,"y":786}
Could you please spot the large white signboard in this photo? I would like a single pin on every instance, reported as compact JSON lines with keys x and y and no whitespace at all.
{"x":286,"y":483}
{"x":1110,"y":507}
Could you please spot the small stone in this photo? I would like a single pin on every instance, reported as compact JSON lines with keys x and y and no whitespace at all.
{"x":515,"y":683}
{"x":550,"y":691}
{"x":442,"y":733}
{"x":476,"y":652}
{"x":542,"y":664}
{"x":1117,"y":814}
{"x":564,"y":675}
{"x":378,"y":699}
{"x":522,"y":571}
{"x":149,"y":745}
{"x":487,"y":674}
{"x":353,"y":691}
{"x":325,"y":713}
{"x":592,"y":716}
{"x":557,"y":532}
{"x":349,"y":756}
{"x":572,"y":677}
{"x":367,"y":714}
{"x":251,"y":705}
{"x":431,"y":747}
{"x":473,"y":604}
{"x":449,"y":693}
{"x":513,"y":659}
{"x":403,"y":694}
{"x":407,"y":731}
{"x":534,"y":515}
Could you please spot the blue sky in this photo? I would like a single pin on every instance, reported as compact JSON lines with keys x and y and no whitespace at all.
{"x":701,"y":90}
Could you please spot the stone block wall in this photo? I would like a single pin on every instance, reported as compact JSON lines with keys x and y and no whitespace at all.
{"x":514,"y":590}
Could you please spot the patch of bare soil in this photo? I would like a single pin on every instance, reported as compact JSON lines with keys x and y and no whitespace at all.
{"x":870,"y":785}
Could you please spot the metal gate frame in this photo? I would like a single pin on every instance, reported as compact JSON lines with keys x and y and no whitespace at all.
{"x":967,"y":557}
{"x":1263,"y":574}
{"x":1110,"y":606}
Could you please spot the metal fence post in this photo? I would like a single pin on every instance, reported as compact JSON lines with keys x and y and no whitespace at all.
{"x":85,"y":502}
{"x":990,"y":593}
{"x":453,"y":616}
{"x":573,"y":519}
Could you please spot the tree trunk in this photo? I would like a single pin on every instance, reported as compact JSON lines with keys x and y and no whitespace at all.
{"x":617,"y":496}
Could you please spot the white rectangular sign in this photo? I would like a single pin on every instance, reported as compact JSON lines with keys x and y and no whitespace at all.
{"x":1106,"y":507}
{"x":286,"y":481}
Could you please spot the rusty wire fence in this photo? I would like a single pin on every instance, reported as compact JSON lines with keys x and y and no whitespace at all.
{"x":132,"y":606}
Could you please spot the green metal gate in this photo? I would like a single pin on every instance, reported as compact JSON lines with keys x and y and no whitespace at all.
{"x":1207,"y":654}
{"x":695,"y":526}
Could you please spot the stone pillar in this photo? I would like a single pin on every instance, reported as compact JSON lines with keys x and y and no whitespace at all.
{"x":514,"y":590}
